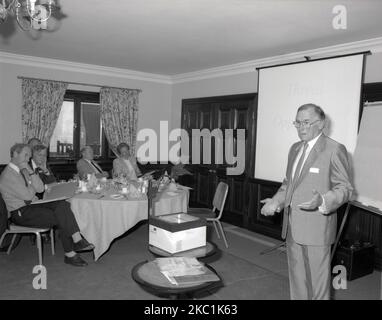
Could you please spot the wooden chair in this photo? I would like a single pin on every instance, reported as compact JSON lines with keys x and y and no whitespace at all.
{"x":218,"y":203}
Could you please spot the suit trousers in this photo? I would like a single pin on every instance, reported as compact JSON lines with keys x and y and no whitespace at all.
{"x":309,"y":270}
{"x":47,"y":215}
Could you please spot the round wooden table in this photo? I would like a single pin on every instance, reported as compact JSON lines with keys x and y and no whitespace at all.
{"x":148,"y":275}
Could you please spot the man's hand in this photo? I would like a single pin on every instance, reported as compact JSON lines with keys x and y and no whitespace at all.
{"x":270,"y":207}
{"x":313,"y":204}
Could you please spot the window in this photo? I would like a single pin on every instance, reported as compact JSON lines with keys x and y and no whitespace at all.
{"x":79,"y":124}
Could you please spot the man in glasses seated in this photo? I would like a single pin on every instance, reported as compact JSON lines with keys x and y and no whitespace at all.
{"x":87,"y":165}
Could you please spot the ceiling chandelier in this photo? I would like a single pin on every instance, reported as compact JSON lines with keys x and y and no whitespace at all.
{"x":30,"y":14}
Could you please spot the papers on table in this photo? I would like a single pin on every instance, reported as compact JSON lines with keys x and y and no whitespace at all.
{"x":178,"y":218}
{"x":179,"y":186}
{"x":184,"y":270}
{"x":147,"y":174}
{"x":49,"y":200}
{"x":117,"y":196}
{"x":56,"y":191}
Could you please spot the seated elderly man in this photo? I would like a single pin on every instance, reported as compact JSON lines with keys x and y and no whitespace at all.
{"x":87,"y":165}
{"x":19,"y":185}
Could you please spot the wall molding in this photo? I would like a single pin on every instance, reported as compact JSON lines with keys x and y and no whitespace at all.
{"x":70,"y":66}
{"x":374,"y":45}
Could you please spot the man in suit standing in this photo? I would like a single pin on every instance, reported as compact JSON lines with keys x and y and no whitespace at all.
{"x":317,"y":182}
{"x":87,"y":165}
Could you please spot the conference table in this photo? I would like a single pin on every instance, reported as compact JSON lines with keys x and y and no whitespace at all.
{"x":106,"y":216}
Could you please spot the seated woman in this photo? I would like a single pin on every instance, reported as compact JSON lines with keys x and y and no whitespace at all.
{"x":87,"y":165}
{"x":125,"y":163}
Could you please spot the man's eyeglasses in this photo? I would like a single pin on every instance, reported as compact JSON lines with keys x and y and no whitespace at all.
{"x":305,"y":124}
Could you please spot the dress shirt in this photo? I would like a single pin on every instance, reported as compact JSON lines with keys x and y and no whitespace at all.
{"x":14,"y":167}
{"x":311,"y":144}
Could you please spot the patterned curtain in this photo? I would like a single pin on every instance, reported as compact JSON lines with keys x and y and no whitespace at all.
{"x":119,"y":113}
{"x":42,"y":101}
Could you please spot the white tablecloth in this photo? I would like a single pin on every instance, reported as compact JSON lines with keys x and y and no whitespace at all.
{"x":102,"y":220}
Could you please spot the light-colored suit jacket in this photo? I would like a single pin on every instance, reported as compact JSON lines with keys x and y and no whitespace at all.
{"x":326,"y":170}
{"x":84,"y":168}
{"x":120,"y":166}
{"x":14,"y":190}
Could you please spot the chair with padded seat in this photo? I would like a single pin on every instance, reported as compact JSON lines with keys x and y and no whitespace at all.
{"x":16,"y":229}
{"x":218,"y":203}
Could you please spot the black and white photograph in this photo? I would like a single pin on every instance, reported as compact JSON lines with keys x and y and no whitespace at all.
{"x":191,"y":156}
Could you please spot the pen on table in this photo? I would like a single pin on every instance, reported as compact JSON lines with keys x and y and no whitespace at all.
{"x":101,"y":196}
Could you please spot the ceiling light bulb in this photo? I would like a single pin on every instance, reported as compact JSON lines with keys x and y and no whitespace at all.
{"x":32,"y":3}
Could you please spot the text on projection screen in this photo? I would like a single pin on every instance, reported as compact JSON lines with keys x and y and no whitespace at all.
{"x":333,"y":84}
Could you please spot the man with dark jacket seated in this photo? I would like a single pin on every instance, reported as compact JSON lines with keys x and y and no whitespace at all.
{"x":19,"y":185}
{"x":39,"y":165}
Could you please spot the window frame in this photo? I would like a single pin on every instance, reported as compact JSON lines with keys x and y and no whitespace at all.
{"x":79,"y":97}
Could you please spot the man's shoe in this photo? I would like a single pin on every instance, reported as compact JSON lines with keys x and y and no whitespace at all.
{"x":76,"y":261}
{"x":82,"y":245}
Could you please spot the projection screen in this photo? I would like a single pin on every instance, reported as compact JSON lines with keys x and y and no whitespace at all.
{"x":334,"y":84}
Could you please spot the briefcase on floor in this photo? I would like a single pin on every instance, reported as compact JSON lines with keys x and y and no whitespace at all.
{"x":357,"y":258}
{"x":177,"y":232}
